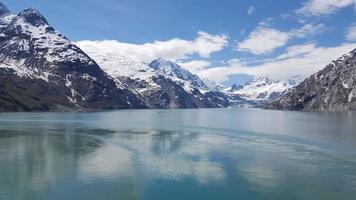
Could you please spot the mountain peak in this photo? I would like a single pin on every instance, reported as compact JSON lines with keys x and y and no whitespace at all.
{"x":3,"y":9}
{"x":166,"y":67}
{"x":162,"y":63}
{"x":33,"y":17}
{"x":172,"y":69}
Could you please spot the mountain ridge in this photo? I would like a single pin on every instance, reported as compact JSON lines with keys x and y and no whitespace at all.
{"x":264,"y":89}
{"x":331,"y":89}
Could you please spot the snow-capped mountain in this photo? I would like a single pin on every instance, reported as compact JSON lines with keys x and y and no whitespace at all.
{"x":213,"y":85}
{"x":155,"y":89}
{"x":260,"y":89}
{"x":181,"y":75}
{"x":174,"y":87}
{"x":43,"y":70}
{"x":331,"y":89}
{"x":210,"y":92}
{"x":264,"y":88}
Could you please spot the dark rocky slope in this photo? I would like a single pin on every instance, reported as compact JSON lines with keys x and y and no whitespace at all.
{"x":331,"y":89}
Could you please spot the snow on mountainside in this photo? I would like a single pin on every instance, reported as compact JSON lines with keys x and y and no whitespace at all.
{"x":213,"y":85}
{"x":182,"y":76}
{"x":264,"y":88}
{"x":120,"y":67}
{"x":43,"y":70}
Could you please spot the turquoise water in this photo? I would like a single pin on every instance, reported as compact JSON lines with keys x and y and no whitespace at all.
{"x":178,"y":154}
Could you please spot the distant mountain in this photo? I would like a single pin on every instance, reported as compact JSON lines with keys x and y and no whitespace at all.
{"x":41,"y":69}
{"x":159,"y":86}
{"x":331,"y":89}
{"x":155,"y":89}
{"x":208,"y":92}
{"x":173,"y":70}
{"x":264,"y":89}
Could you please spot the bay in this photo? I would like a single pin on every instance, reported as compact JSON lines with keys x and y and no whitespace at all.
{"x":178,"y":154}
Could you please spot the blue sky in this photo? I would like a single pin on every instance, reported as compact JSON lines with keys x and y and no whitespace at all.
{"x":218,"y":39}
{"x":139,"y":21}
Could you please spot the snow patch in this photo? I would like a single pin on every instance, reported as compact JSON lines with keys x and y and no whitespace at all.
{"x":352,"y":95}
{"x":345,"y":85}
{"x":88,"y":77}
{"x":118,"y":66}
{"x":22,"y":71}
{"x":74,"y":93}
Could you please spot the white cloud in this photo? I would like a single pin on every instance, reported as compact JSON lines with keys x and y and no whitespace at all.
{"x":264,"y":39}
{"x":266,"y":22}
{"x":302,"y":60}
{"x":351,"y":33}
{"x":250,"y":10}
{"x":234,"y":61}
{"x":217,"y":74}
{"x":204,"y":45}
{"x":323,"y":7}
{"x":308,"y":29}
{"x":195,"y":65}
{"x":296,"y":50}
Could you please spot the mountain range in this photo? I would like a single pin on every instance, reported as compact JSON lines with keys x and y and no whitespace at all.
{"x":264,"y":89}
{"x":42,"y":70}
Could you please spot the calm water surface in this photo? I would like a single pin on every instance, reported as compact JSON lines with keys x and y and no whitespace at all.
{"x":178,"y":154}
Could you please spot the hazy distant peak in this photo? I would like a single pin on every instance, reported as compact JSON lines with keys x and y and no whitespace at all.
{"x":3,"y":9}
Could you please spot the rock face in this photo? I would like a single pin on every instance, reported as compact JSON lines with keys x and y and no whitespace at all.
{"x":42,"y":70}
{"x":331,"y":89}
